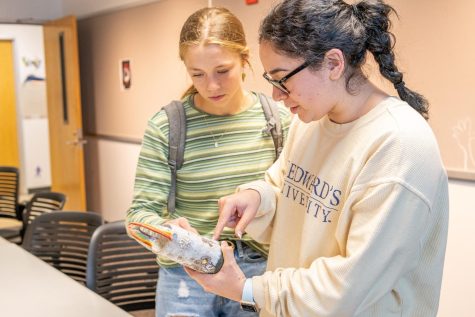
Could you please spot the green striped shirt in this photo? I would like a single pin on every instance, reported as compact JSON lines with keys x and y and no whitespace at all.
{"x":243,"y":153}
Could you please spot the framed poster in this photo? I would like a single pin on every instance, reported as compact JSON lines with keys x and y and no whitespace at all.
{"x":125,"y":74}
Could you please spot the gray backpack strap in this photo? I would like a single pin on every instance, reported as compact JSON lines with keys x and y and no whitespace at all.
{"x":274,"y":126}
{"x":176,"y":145}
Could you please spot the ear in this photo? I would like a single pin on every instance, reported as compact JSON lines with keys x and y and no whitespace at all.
{"x":335,"y":63}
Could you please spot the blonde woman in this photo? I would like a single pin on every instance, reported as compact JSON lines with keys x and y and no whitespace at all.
{"x":225,"y":146}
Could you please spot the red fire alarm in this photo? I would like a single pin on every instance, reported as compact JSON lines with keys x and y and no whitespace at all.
{"x":251,"y":1}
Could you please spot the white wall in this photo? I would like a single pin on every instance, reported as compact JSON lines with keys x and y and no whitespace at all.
{"x":36,"y":167}
{"x":28,"y":57}
{"x":458,"y":285}
{"x":110,"y":167}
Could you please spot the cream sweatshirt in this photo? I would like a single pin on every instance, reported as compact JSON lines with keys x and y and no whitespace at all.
{"x":357,"y":218}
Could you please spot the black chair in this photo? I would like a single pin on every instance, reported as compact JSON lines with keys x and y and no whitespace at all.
{"x":41,"y":203}
{"x":121,"y":270}
{"x":9,"y":184}
{"x":61,"y":239}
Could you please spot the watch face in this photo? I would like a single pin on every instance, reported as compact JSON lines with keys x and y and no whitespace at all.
{"x":247,"y":306}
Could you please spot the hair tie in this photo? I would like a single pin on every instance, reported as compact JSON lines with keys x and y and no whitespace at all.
{"x":400,"y":85}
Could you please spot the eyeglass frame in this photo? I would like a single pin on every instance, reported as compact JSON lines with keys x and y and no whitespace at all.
{"x":279,"y":84}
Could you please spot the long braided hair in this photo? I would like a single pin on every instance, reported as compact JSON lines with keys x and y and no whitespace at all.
{"x":307,"y":29}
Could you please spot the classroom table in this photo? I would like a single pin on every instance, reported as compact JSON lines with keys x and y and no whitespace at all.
{"x":31,"y":287}
{"x":3,"y":242}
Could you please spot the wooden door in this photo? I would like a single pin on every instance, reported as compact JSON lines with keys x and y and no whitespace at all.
{"x":64,"y":111}
{"x":8,"y":120}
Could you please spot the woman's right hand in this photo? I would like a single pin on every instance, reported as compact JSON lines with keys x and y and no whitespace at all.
{"x":237,"y":211}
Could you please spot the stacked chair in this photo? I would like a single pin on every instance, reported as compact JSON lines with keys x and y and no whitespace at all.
{"x":40,"y":203}
{"x":15,"y":217}
{"x":10,"y":209}
{"x":9,"y":184}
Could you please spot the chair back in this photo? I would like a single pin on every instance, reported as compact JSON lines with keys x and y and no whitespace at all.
{"x":62,"y":239}
{"x":9,"y":180}
{"x":40,"y":203}
{"x":121,"y":270}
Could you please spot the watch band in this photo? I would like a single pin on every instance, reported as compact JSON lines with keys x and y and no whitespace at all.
{"x":247,"y":300}
{"x":247,"y":295}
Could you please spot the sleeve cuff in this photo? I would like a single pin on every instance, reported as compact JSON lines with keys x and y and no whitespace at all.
{"x":258,"y":291}
{"x":268,"y":202}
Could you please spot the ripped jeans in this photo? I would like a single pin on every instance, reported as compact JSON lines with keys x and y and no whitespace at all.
{"x":180,"y":296}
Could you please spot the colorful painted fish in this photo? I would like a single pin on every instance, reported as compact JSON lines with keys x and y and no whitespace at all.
{"x":184,"y":247}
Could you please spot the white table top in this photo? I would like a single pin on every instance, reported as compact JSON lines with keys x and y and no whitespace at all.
{"x":31,"y":287}
{"x":3,"y":241}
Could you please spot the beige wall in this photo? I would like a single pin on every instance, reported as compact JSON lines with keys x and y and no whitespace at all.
{"x":434,"y":48}
{"x":148,"y":36}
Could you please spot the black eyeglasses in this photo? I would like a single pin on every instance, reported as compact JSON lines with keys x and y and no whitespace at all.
{"x":279,"y":84}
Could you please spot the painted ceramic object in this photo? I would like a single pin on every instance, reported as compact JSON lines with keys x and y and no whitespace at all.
{"x":184,"y":247}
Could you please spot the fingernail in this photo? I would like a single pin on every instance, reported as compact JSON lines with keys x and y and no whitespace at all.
{"x":239,"y":234}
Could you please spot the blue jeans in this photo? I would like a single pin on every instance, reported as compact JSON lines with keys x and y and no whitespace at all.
{"x":180,"y":296}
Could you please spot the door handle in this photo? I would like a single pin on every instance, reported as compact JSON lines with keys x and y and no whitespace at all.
{"x":78,"y":138}
{"x":77,"y":142}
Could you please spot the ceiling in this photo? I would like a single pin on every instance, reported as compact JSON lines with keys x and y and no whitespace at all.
{"x":38,"y":11}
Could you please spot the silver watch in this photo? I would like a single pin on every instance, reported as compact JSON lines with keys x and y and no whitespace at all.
{"x":247,"y":300}
{"x":249,"y":306}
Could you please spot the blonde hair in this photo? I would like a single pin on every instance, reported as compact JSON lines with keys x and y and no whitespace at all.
{"x":213,"y":25}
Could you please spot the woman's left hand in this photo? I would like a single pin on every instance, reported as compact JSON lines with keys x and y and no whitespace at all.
{"x":228,"y":282}
{"x":182,"y":222}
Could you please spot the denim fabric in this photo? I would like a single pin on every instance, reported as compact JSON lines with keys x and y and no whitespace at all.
{"x":180,"y":296}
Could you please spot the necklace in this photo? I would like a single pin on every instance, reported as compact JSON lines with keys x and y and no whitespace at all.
{"x":248,"y":102}
{"x":215,"y":139}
